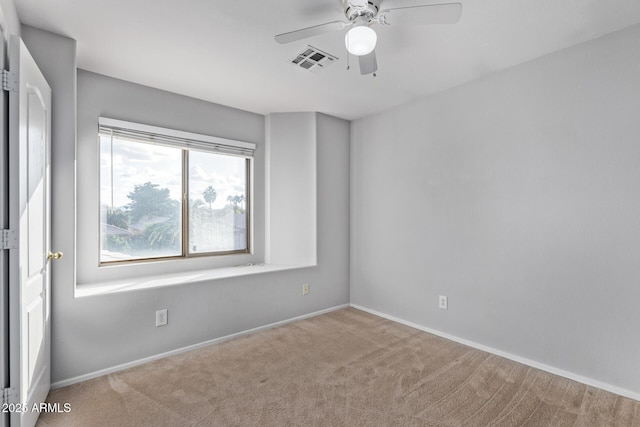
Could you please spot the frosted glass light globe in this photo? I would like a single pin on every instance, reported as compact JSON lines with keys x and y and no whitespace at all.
{"x":361,"y":40}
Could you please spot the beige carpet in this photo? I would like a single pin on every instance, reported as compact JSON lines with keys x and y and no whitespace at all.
{"x":346,"y":368}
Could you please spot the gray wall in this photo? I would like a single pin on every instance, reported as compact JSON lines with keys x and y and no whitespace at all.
{"x":99,"y":332}
{"x":517,"y":196}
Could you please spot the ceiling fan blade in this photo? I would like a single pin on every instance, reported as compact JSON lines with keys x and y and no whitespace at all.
{"x":368,"y":63}
{"x":416,"y":12}
{"x":310,"y":32}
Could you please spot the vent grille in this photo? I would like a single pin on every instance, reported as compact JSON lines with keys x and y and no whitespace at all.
{"x":313,"y":59}
{"x":317,"y":56}
{"x":307,"y":64}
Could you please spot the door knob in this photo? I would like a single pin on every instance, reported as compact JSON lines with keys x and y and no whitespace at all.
{"x":54,"y":255}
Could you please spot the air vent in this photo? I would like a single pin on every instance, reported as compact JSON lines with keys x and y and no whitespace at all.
{"x":307,"y":64}
{"x":313,"y":59}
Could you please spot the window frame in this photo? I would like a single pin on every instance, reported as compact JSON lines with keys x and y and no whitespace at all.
{"x":185,"y":213}
{"x":192,"y":142}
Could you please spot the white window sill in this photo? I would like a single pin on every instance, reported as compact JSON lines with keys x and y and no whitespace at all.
{"x":196,"y":276}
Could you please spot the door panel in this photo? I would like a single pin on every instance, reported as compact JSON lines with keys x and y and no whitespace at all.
{"x":29,"y":201}
{"x":35,"y":333}
{"x":36,"y":140}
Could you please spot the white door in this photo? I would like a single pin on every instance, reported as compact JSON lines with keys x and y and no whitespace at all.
{"x":29,"y":304}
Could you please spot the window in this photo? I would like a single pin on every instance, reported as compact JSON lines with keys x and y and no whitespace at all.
{"x":167,"y":194}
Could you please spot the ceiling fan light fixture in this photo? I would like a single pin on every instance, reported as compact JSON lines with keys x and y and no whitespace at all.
{"x":361,"y":40}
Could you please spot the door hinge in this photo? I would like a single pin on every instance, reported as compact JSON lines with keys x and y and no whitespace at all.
{"x":8,"y":239}
{"x":9,"y":396}
{"x":9,"y":81}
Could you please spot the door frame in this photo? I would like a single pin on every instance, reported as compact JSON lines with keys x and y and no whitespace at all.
{"x":4,"y":221}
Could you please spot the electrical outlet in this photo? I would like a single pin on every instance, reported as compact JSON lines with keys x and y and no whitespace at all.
{"x":443,"y":302}
{"x":161,"y":317}
{"x":305,"y":289}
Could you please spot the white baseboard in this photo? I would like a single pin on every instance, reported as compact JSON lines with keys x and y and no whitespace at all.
{"x":80,"y":378}
{"x":560,"y":372}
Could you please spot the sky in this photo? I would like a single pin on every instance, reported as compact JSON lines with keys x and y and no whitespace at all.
{"x":135,"y":163}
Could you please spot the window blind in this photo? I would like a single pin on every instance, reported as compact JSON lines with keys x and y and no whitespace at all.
{"x":173,"y":138}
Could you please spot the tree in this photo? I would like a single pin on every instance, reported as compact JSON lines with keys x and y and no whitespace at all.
{"x":210,"y":195}
{"x":149,"y":201}
{"x":163,"y":235}
{"x":116,"y":240}
{"x":158,"y":215}
{"x":236,"y":201}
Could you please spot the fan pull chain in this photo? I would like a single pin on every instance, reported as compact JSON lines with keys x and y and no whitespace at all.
{"x":347,"y":51}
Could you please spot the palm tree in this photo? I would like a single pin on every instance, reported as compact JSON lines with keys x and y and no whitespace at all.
{"x":236,"y":202}
{"x":210,"y":195}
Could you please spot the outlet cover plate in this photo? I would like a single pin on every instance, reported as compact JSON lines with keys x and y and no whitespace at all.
{"x":161,"y":317}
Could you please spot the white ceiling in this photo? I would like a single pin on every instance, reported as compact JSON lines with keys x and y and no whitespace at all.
{"x":224,"y":51}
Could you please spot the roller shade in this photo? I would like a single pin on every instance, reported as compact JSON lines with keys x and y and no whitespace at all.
{"x":173,"y":138}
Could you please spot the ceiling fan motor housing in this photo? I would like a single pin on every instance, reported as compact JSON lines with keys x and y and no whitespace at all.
{"x":364,"y":9}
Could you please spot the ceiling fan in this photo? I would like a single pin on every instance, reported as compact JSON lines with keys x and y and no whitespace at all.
{"x":361,"y":15}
